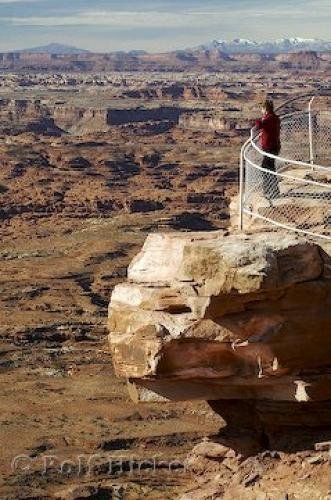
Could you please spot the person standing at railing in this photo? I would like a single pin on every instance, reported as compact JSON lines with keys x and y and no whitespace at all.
{"x":269,"y":125}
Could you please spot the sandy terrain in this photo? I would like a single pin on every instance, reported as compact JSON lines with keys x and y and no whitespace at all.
{"x":76,"y":206}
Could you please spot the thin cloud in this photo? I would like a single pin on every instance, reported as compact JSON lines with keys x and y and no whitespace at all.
{"x":121,"y":19}
{"x":176,"y":16}
{"x":17,"y":1}
{"x":148,"y":20}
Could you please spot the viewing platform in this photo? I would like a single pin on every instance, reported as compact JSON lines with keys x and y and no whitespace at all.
{"x":297,"y":196}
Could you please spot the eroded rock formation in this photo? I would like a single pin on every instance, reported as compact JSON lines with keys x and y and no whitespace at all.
{"x":25,"y":115}
{"x":243,"y":321}
{"x":182,"y":60}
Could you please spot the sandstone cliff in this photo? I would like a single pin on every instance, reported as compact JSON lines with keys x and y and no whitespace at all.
{"x":25,"y":115}
{"x":241,"y":321}
{"x":182,"y":60}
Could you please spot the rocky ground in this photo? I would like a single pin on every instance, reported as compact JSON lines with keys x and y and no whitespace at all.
{"x":74,"y":211}
{"x":76,"y":205}
{"x":221,"y":473}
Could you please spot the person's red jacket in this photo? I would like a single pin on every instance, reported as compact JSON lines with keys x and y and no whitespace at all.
{"x":270,"y":136}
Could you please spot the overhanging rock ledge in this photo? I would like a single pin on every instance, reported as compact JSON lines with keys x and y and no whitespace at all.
{"x":228,"y":318}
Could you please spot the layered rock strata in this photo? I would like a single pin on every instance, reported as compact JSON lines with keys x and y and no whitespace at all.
{"x":242,"y":321}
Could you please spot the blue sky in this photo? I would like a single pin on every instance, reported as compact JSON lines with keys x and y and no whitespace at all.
{"x":157,"y":25}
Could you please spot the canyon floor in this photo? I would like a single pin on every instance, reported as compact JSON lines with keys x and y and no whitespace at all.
{"x":76,"y":207}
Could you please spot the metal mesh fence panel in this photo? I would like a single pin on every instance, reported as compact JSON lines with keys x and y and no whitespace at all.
{"x":322,"y":137}
{"x":300,"y":204}
{"x":295,"y":137}
{"x":288,"y":191}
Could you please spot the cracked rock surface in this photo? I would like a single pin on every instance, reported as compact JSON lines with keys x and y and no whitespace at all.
{"x":242,"y":321}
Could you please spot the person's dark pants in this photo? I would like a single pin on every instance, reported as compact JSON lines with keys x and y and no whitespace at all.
{"x":270,"y":181}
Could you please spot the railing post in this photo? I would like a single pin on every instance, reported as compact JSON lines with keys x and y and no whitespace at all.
{"x":242,"y":180}
{"x":241,"y":189}
{"x":311,"y":132}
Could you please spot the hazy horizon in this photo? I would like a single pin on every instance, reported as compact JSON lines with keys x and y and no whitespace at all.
{"x":156,"y":25}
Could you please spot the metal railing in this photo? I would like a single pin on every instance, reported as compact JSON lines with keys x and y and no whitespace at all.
{"x":291,"y":190}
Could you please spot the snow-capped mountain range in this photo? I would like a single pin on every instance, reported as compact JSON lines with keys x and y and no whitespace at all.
{"x":269,"y":47}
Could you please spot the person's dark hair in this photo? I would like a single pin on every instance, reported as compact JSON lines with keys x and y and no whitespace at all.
{"x":268,"y":105}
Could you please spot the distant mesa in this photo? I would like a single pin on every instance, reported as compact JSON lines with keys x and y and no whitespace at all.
{"x":55,"y":48}
{"x":238,"y":54}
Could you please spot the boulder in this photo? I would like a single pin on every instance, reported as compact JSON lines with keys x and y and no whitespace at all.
{"x":243,"y":321}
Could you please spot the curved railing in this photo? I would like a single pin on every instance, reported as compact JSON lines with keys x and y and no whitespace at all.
{"x":297,"y":195}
